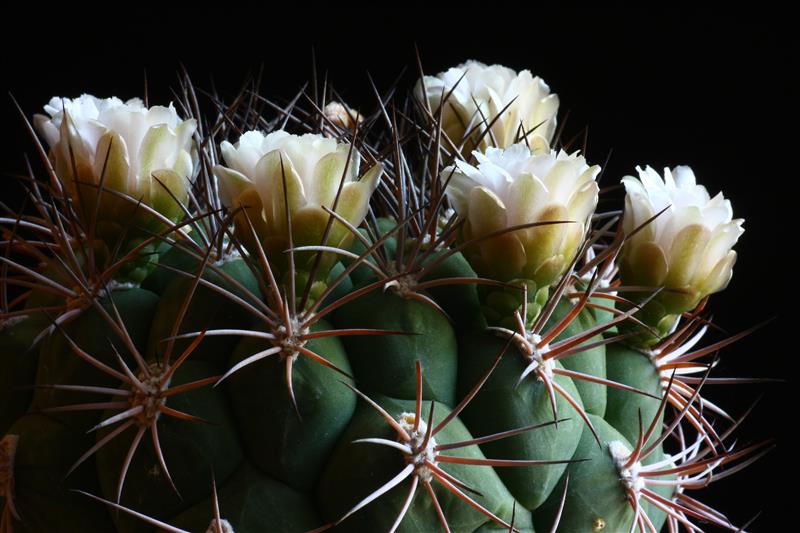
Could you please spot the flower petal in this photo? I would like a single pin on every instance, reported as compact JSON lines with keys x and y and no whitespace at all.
{"x":271,"y":171}
{"x":647,"y":265}
{"x":168,"y":192}
{"x":231,"y":184}
{"x":487,"y":213}
{"x":112,"y":166}
{"x":685,"y":254}
{"x":328,"y":174}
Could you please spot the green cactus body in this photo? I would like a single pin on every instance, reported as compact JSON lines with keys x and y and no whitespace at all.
{"x":342,"y":288}
{"x":385,"y":364}
{"x":46,"y":450}
{"x":492,"y":527}
{"x":19,"y":352}
{"x":601,"y":316}
{"x":460,"y":302}
{"x":253,"y":502}
{"x":499,"y":304}
{"x":596,"y":499}
{"x":591,"y":361}
{"x":18,"y":363}
{"x":208,"y":310}
{"x":138,"y":268}
{"x":170,"y":258}
{"x":503,"y":404}
{"x":363,"y":275}
{"x":292,"y":446}
{"x":193,"y":451}
{"x":631,"y":367}
{"x":356,"y":470}
{"x":59,"y":365}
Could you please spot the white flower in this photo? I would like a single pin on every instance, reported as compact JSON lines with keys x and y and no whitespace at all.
{"x":687,"y":247}
{"x":127,"y":146}
{"x":475,"y":95}
{"x":312,"y":167}
{"x":514,"y":187}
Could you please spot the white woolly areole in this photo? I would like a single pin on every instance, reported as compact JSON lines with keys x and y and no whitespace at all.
{"x":629,"y":476}
{"x":115,"y":285}
{"x":290,"y":343}
{"x":228,"y":257}
{"x":10,"y":322}
{"x":220,"y":525}
{"x":418,"y":456}
{"x":652,"y":354}
{"x":82,"y":297}
{"x":534,"y":339}
{"x":536,"y":356}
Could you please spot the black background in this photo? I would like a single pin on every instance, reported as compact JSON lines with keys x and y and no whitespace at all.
{"x":707,"y":89}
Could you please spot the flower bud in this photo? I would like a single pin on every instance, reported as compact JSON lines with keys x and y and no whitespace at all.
{"x":342,"y":116}
{"x":687,"y":248}
{"x":512,"y":187}
{"x":473,"y":96}
{"x":129,"y":148}
{"x":312,"y":167}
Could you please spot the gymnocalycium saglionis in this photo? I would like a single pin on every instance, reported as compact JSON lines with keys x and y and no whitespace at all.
{"x":256,"y":316}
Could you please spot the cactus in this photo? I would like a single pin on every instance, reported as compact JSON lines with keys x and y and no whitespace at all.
{"x":373,"y":326}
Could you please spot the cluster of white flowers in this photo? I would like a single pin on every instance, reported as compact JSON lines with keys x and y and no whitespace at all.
{"x":514,"y":178}
{"x":687,"y":248}
{"x":148,"y":155}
